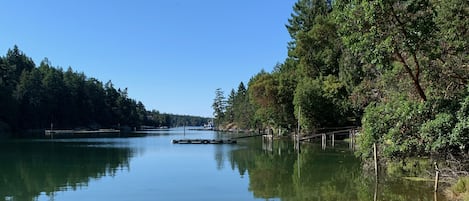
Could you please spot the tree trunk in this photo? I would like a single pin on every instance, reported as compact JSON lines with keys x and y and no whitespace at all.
{"x":415,"y":77}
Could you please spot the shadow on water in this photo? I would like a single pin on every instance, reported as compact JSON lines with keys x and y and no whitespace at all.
{"x":30,"y":168}
{"x":278,"y":171}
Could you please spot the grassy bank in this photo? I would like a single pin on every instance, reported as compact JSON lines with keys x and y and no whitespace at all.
{"x":459,"y":190}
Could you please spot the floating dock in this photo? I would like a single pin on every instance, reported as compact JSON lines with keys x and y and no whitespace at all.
{"x":204,"y":141}
{"x":101,"y":133}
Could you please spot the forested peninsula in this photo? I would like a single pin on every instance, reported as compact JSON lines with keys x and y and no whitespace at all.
{"x":34,"y":98}
{"x":398,"y":69}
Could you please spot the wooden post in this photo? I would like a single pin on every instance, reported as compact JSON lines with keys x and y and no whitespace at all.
{"x":51,"y":130}
{"x":299,"y":128}
{"x":323,"y":138}
{"x":350,"y":139}
{"x":375,"y":155}
{"x":375,"y":196}
{"x":333,"y":138}
{"x":437,"y":174}
{"x":376,"y":159}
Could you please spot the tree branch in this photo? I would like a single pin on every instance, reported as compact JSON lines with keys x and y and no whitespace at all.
{"x":415,"y":76}
{"x":411,"y":74}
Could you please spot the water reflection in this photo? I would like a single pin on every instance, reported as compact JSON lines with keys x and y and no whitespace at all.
{"x":30,"y":168}
{"x":277,"y":170}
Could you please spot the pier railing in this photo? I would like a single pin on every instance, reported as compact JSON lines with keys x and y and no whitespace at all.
{"x":351,"y":132}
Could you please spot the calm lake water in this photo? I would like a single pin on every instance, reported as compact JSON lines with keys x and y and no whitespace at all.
{"x":152,"y":168}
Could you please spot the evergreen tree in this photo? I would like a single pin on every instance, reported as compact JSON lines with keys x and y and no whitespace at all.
{"x":219,"y":106}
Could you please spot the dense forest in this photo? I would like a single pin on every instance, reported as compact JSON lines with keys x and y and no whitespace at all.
{"x":398,"y":69}
{"x":38,"y":97}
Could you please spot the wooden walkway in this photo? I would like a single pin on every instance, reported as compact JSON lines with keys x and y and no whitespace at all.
{"x":351,"y":132}
{"x":248,"y":136}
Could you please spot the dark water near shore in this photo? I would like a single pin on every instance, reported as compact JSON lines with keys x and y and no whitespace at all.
{"x":152,"y":168}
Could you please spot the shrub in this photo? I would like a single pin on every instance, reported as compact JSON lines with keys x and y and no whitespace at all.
{"x":394,"y":125}
{"x":460,"y":190}
{"x":436,"y":133}
{"x":406,"y":128}
{"x":460,"y":134}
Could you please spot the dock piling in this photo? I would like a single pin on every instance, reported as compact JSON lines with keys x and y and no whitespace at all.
{"x":437,"y":175}
{"x":375,"y":159}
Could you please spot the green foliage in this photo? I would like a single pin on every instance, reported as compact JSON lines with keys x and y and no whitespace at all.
{"x":242,"y":109}
{"x":408,"y":128}
{"x":460,"y":190}
{"x":309,"y":102}
{"x":219,"y":105}
{"x":303,"y":16}
{"x":321,"y":102}
{"x":263,"y":95}
{"x":318,"y":49}
{"x":394,"y":125}
{"x":401,"y":138}
{"x":407,"y":50}
{"x":460,"y":134}
{"x":401,"y":65}
{"x":370,"y":31}
{"x":286,"y":89}
{"x":436,"y":133}
{"x":462,"y":185}
{"x":18,"y":61}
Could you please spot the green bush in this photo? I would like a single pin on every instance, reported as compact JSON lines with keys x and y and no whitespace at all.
{"x":404,"y":128}
{"x":394,"y":126}
{"x":460,"y":134}
{"x":462,"y":186}
{"x":436,"y":133}
{"x":460,"y":190}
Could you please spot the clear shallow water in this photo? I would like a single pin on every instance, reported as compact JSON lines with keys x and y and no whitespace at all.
{"x":152,"y":168}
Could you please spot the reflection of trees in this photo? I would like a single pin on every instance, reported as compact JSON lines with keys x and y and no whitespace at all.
{"x":333,"y":174}
{"x":31,"y":168}
{"x":270,"y":173}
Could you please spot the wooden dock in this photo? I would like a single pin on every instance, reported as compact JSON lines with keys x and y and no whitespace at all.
{"x":101,"y":133}
{"x":204,"y":141}
{"x":350,"y":132}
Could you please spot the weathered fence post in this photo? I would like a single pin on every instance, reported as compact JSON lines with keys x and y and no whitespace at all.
{"x":437,"y":175}
{"x":324,"y":140}
{"x":333,"y":139}
{"x":376,"y":159}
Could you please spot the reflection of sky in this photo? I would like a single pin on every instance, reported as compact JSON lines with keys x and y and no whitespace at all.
{"x":152,"y":168}
{"x":165,"y":171}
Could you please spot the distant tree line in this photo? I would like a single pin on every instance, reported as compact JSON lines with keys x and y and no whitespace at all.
{"x":397,"y":68}
{"x":40,"y":97}
{"x":157,"y":119}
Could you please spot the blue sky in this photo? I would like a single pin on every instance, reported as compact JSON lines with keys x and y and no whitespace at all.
{"x":171,"y":54}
